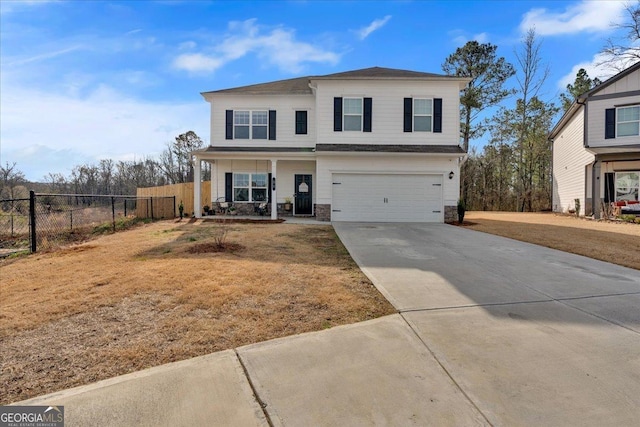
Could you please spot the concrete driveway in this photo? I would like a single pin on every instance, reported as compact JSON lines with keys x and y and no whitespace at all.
{"x":529,"y":335}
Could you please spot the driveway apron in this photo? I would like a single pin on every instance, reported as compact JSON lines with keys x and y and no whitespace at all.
{"x":531,"y":335}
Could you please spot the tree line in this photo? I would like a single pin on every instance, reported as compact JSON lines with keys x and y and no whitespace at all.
{"x":110,"y":177}
{"x":511,"y":172}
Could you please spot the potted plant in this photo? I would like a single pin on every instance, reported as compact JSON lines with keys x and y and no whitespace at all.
{"x":461,"y":210}
{"x":206,"y":209}
{"x":287,"y":204}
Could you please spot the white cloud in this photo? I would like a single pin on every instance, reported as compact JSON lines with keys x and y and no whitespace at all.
{"x":278,"y":47}
{"x":68,"y":131}
{"x":584,"y":16}
{"x":43,"y":56}
{"x":197,"y":62}
{"x":598,"y":67}
{"x":460,"y":38}
{"x":363,"y":33}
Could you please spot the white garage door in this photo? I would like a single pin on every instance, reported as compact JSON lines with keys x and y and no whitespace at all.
{"x":387,"y":198}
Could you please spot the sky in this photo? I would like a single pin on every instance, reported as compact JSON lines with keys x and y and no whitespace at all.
{"x":82,"y":81}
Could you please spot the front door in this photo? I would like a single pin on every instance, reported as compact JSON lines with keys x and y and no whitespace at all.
{"x":303,"y":195}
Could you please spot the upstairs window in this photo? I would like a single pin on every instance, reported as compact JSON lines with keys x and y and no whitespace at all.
{"x":628,"y":121}
{"x":250,"y":124}
{"x":352,"y":114}
{"x":241,"y":122}
{"x":422,"y":115}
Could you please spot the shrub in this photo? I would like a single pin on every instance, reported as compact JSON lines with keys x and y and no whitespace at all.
{"x":462,"y":208}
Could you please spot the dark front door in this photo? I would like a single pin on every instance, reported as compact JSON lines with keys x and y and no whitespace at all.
{"x":303,"y":195}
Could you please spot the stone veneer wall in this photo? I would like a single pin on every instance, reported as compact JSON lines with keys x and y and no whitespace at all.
{"x":450,"y":213}
{"x":323,"y":212}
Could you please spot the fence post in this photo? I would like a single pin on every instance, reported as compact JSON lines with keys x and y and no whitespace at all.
{"x":113,"y":213}
{"x":152,"y":208}
{"x":125,"y":208}
{"x":71,"y":218}
{"x":174,"y":206}
{"x":32,"y":219}
{"x":13,"y":206}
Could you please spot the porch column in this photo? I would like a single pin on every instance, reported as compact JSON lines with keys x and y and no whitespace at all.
{"x":197,"y":187}
{"x":595,"y":188}
{"x":214,"y":181}
{"x":273,"y":184}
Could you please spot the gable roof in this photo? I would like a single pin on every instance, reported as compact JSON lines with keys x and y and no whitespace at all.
{"x":379,"y":73}
{"x":579,"y":102}
{"x":300,"y":85}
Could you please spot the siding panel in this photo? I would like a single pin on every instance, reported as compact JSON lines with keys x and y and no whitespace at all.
{"x":569,"y":162}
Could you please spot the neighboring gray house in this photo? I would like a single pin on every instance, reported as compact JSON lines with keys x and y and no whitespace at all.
{"x":375,"y":144}
{"x":596,"y":146}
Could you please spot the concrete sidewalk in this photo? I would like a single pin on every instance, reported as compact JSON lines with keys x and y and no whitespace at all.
{"x":489,"y":332}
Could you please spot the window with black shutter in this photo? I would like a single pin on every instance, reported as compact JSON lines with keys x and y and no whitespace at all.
{"x":301,"y":122}
{"x":610,"y":123}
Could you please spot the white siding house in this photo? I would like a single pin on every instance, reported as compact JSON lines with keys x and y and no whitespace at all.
{"x":596,"y":147}
{"x":376,"y":144}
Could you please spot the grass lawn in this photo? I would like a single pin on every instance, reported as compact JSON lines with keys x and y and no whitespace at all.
{"x":615,"y":242}
{"x":160,"y":293}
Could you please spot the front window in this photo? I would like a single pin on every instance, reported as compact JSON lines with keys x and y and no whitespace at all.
{"x":250,"y":124}
{"x":250,"y":187}
{"x":627,"y":185}
{"x":352,"y":110}
{"x":628,"y":120}
{"x":422,"y":115}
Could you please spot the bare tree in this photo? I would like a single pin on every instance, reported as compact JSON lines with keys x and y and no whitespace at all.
{"x":10,"y":179}
{"x":622,"y":52}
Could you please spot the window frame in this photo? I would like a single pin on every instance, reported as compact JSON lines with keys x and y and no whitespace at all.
{"x":306,"y":122}
{"x":635,"y":187}
{"x":618,"y":122}
{"x":414,"y":114}
{"x":251,"y":125}
{"x":251,"y":187}
{"x":345,"y":114}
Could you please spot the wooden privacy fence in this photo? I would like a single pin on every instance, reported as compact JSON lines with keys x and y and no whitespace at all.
{"x":182,"y":192}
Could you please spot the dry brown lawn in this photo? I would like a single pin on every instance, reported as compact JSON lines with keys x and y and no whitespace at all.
{"x":159,"y":293}
{"x":616,"y":242}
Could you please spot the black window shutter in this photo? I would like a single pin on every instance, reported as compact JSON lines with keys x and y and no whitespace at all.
{"x":368,"y":109}
{"x":609,"y":123}
{"x":229,"y":125}
{"x":408,"y":114}
{"x":301,"y":122}
{"x":228,"y":187}
{"x":337,"y":114}
{"x":609,"y":187}
{"x":272,"y":125}
{"x":437,"y":115}
{"x":269,"y":189}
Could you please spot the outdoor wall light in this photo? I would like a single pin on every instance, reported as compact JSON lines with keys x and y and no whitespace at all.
{"x":451,"y":175}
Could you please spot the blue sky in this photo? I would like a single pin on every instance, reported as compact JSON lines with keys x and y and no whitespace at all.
{"x":86,"y":80}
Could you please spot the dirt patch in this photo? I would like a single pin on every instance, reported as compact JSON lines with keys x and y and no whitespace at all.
{"x":145,"y":297}
{"x":611,"y":241}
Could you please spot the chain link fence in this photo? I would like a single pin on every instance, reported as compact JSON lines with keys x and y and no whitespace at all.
{"x":46,"y":221}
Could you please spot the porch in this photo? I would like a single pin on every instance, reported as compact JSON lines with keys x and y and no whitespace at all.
{"x":253,"y":183}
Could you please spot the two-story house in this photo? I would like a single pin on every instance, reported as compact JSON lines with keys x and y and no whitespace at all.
{"x":596,"y":147}
{"x":375,"y":145}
